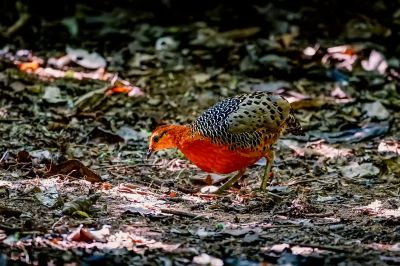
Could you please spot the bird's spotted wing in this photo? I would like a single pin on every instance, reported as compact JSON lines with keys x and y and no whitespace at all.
{"x":214,"y":121}
{"x":258,"y":110}
{"x":242,"y":115}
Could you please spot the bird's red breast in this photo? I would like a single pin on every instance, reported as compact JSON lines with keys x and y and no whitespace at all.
{"x":216,"y":158}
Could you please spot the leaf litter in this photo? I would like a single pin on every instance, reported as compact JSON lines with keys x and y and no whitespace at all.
{"x":73,"y":176}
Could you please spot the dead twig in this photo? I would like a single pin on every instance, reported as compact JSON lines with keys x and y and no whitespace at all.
{"x":180,"y":213}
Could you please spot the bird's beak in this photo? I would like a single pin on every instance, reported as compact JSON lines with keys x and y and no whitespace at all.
{"x":149,"y":153}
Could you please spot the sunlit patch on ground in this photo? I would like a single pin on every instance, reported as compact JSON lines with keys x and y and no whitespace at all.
{"x":75,"y":122}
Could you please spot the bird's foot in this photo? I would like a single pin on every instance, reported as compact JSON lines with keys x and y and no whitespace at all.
{"x":267,"y":181}
{"x":229,"y":183}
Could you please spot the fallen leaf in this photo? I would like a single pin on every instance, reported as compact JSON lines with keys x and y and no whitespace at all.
{"x":50,"y":197}
{"x":41,"y":155}
{"x":81,"y":234}
{"x":106,"y":186}
{"x":240,"y":33}
{"x":375,"y":62}
{"x":273,"y":86}
{"x":84,"y":58}
{"x":128,"y":133}
{"x":279,"y":248}
{"x":315,"y":103}
{"x":100,"y":235}
{"x":389,"y":146}
{"x":251,"y":237}
{"x":166,"y":44}
{"x":53,"y":95}
{"x":139,"y":210}
{"x":91,"y":100}
{"x":82,"y":203}
{"x":364,"y":170}
{"x":209,"y":189}
{"x":80,"y":215}
{"x":241,"y":231}
{"x":202,"y":233}
{"x":208,"y":179}
{"x":29,"y":66}
{"x":74,"y":168}
{"x":17,"y":86}
{"x":393,"y":165}
{"x":368,"y":131}
{"x":205,"y":259}
{"x":337,"y":92}
{"x":128,"y":90}
{"x":376,"y":110}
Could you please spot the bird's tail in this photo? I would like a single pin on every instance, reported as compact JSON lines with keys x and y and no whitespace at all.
{"x":293,"y":125}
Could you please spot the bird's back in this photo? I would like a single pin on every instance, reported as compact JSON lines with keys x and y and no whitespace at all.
{"x":250,"y":120}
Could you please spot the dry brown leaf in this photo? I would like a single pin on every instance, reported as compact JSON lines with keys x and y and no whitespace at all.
{"x":76,"y":169}
{"x":81,"y":234}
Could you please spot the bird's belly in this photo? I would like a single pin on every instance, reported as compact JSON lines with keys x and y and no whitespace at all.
{"x":216,"y":158}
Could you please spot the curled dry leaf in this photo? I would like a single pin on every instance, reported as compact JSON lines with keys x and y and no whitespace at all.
{"x":76,"y":169}
{"x":81,"y":234}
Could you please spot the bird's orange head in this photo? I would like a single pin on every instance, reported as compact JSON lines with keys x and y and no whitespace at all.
{"x":165,"y":137}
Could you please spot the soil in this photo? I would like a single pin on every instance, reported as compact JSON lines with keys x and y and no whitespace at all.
{"x":77,"y":189}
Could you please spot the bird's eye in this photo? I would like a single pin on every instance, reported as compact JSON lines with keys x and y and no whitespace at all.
{"x":156,"y":139}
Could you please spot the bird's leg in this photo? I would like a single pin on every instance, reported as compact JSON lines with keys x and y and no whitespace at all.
{"x":270,"y":156}
{"x":231,"y":181}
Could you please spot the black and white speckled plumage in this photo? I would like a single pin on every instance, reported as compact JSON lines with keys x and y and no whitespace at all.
{"x":254,"y":120}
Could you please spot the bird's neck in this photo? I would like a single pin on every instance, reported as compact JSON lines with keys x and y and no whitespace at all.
{"x":177,"y":134}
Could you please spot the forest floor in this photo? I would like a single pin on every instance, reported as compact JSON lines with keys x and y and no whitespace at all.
{"x":75,"y":186}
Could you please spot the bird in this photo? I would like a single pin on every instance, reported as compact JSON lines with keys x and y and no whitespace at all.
{"x":232,"y":135}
